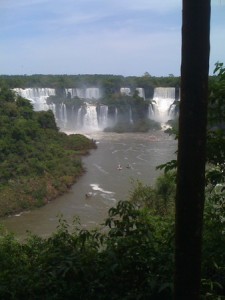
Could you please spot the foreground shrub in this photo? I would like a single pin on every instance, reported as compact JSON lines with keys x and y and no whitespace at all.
{"x":158,"y":199}
{"x":130,"y":260}
{"x":130,"y":257}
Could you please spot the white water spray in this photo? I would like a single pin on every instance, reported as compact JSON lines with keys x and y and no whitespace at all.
{"x":162,"y":101}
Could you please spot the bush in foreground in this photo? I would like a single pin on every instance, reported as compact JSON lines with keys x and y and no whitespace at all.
{"x":130,"y":257}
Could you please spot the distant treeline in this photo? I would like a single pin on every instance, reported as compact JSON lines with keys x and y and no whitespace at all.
{"x":109,"y":83}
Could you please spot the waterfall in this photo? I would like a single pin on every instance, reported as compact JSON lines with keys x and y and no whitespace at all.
{"x":92,"y":93}
{"x":103,"y":116}
{"x":125,"y":91}
{"x":164,"y":93}
{"x":79,"y":118}
{"x":37,"y":96}
{"x":116,"y":115}
{"x":150,"y":112}
{"x":80,"y":93}
{"x":76,"y":92}
{"x":85,"y":93}
{"x":72,"y":92}
{"x":63,"y":115}
{"x":130,"y":116}
{"x":90,"y":119}
{"x":85,"y":118}
{"x":53,"y":108}
{"x":162,"y":101}
{"x":141,"y":92}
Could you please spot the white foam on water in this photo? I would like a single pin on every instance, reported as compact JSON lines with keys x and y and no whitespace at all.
{"x":96,"y":187}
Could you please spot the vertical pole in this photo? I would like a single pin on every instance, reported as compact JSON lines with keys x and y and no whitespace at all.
{"x":191,"y":148}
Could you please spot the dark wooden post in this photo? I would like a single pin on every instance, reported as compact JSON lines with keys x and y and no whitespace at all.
{"x":191,"y":148}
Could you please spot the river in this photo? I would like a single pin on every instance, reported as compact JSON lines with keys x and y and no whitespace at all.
{"x":137,"y":153}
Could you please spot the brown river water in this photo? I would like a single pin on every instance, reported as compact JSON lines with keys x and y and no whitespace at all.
{"x":137,"y":153}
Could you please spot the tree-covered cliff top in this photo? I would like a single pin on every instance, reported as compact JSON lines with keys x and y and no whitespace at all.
{"x":77,"y":81}
{"x":37,"y":161}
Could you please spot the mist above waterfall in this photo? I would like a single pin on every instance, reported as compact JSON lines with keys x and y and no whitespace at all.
{"x":84,"y":93}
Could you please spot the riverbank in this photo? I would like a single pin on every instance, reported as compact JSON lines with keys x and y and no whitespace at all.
{"x":106,"y":184}
{"x":37,"y":161}
{"x":33,"y":190}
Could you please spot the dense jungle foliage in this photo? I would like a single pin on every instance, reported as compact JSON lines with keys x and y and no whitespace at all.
{"x":108,"y":83}
{"x":131,"y":255}
{"x":37,"y":162}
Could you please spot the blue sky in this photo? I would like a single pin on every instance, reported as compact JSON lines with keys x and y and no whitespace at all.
{"x":123,"y":37}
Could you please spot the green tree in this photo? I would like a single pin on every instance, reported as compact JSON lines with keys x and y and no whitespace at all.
{"x":46,"y":119}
